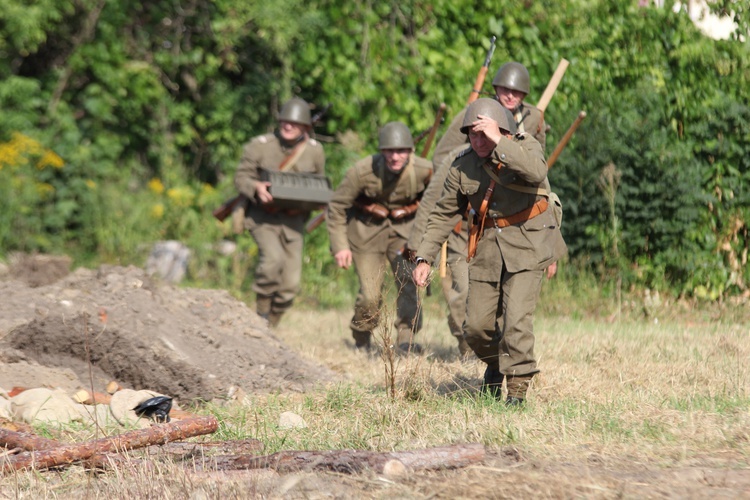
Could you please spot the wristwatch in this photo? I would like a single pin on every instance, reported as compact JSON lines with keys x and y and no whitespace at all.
{"x":419,"y":260}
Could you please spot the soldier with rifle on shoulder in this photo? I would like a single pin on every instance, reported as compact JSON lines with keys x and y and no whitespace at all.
{"x":278,"y":232}
{"x":369,"y":219}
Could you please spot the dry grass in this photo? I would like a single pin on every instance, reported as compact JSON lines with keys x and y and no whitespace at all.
{"x":627,"y":408}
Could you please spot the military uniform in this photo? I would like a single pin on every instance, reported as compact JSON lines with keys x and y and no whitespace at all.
{"x":373,"y":240}
{"x":505,"y":276}
{"x":455,"y":285}
{"x":456,"y":282}
{"x":278,"y":233}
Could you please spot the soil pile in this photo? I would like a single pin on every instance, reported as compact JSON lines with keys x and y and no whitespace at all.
{"x":116,"y":323}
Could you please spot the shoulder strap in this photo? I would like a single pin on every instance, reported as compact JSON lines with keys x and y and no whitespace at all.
{"x":538,"y":191}
{"x":412,"y":177}
{"x":290,"y":160}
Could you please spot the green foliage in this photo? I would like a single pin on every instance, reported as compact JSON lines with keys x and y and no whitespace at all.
{"x":128,"y":92}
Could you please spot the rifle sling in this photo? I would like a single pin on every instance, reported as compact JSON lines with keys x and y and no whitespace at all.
{"x":538,"y":191}
{"x":290,"y":160}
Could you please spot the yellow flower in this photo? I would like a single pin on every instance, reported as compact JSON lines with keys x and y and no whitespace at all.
{"x":157,"y":210}
{"x":50,"y":159}
{"x":181,"y":196}
{"x":90,"y":184}
{"x":20,"y":148}
{"x":156,"y":186}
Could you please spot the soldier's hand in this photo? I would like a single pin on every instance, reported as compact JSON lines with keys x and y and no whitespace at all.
{"x":262,"y":193}
{"x":489,"y":126}
{"x":343,"y":258}
{"x":551,"y":270}
{"x":421,"y":274}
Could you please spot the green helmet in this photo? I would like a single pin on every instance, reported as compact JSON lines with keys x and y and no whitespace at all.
{"x":395,"y":135}
{"x":296,"y":110}
{"x":514,"y":76}
{"x":489,"y":107}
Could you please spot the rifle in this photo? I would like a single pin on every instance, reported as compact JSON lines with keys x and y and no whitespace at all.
{"x":479,"y":82}
{"x":433,"y":130}
{"x":552,"y":85}
{"x":320,"y":114}
{"x":473,"y":96}
{"x":564,"y":141}
{"x":226,"y":208}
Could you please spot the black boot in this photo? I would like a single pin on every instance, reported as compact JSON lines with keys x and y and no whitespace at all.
{"x":362,"y":340}
{"x":493,"y":382}
{"x":514,"y":402}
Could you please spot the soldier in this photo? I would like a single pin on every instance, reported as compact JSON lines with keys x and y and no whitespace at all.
{"x":369,"y":219}
{"x":278,"y":232}
{"x":521,"y":238}
{"x":512,"y":84}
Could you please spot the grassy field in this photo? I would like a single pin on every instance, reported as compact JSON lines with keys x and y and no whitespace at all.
{"x":635,"y":404}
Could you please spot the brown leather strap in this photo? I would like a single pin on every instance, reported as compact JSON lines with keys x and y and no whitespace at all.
{"x":292,"y":158}
{"x":537,"y":208}
{"x":291,"y":212}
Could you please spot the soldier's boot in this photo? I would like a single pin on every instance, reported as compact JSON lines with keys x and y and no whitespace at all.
{"x":263,"y":306}
{"x":405,"y":341}
{"x":274,"y":318}
{"x":493,"y":382}
{"x":362,"y":340}
{"x":517,"y":387}
{"x":464,"y":350}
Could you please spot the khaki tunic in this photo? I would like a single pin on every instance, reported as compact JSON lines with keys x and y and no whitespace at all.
{"x":505,"y":276}
{"x":373,"y":241}
{"x":279,"y":235}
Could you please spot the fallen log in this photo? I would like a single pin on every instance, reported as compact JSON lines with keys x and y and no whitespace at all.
{"x":354,"y":461}
{"x":186,"y":450}
{"x":26,"y":441}
{"x":67,"y":454}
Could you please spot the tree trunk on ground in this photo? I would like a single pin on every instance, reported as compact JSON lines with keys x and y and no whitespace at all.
{"x":354,"y":461}
{"x":67,"y":454}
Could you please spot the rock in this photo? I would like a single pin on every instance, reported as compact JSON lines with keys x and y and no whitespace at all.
{"x":290,"y":420}
{"x":394,"y":468}
{"x":44,"y":405}
{"x":123,"y":403}
{"x":169,"y":260}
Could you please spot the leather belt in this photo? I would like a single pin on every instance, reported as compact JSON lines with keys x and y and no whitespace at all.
{"x":537,"y":208}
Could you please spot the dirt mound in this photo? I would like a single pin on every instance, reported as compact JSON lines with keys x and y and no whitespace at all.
{"x":116,"y":323}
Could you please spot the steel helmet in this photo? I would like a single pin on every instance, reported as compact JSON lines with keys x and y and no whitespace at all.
{"x":514,"y":76}
{"x":395,"y":135}
{"x":296,"y":110}
{"x":491,"y":108}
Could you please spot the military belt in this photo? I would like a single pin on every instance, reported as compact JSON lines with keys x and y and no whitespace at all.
{"x":537,"y":208}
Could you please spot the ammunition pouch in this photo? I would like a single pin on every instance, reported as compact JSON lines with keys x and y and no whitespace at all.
{"x":405,"y":211}
{"x":380,"y":212}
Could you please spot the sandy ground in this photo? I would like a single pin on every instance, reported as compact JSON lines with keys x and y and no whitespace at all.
{"x":93,"y":326}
